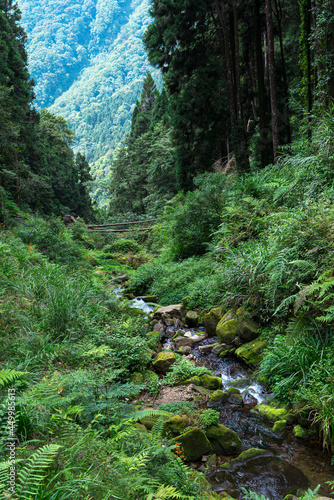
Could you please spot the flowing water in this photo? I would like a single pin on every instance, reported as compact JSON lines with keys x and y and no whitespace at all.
{"x":290,"y":465}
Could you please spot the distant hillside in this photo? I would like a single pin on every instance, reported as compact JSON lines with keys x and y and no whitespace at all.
{"x":88,"y":62}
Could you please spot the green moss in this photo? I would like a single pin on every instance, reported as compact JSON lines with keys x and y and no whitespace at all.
{"x":300,"y":432}
{"x":150,"y":298}
{"x":137,"y":378}
{"x":249,"y":454}
{"x":273,"y":414}
{"x":211,"y":320}
{"x":209,"y":382}
{"x":223,"y":440}
{"x":176,"y":424}
{"x":218,"y":396}
{"x":149,"y":375}
{"x":164,"y":361}
{"x":194,"y":444}
{"x":279,"y":426}
{"x":227,"y":330}
{"x":191,"y":318}
{"x":251,"y":352}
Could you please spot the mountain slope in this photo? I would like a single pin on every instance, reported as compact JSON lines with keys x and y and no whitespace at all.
{"x":89,"y":63}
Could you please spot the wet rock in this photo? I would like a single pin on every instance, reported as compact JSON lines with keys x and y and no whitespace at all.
{"x":247,"y":456}
{"x":251,"y":352}
{"x":218,"y":397}
{"x":273,"y":414}
{"x":279,"y":426}
{"x":183,"y":341}
{"x":172,"y":311}
{"x":184,"y":350}
{"x":235,"y":397}
{"x":222,"y":349}
{"x":194,"y":444}
{"x":300,"y":432}
{"x":199,"y":337}
{"x":211,"y":320}
{"x":164,"y":361}
{"x":191,"y":318}
{"x":249,"y":399}
{"x":159,"y":327}
{"x":210,"y":382}
{"x":202,"y":391}
{"x":149,"y":298}
{"x":224,"y":440}
{"x":204,"y":349}
{"x":240,"y":383}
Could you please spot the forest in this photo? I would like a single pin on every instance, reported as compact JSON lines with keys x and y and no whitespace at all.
{"x":174,"y":341}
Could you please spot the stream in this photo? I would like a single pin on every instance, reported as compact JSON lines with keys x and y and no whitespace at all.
{"x":291,"y":464}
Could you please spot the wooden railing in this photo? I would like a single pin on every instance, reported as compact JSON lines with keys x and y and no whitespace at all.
{"x":105,"y":228}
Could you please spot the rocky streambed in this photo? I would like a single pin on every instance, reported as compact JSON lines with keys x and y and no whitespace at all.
{"x":257,"y":445}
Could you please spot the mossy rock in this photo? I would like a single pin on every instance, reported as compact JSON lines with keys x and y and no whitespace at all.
{"x":194,"y":444}
{"x":218,"y":397}
{"x":154,"y":340}
{"x":227,"y":331}
{"x":241,"y":383}
{"x":202,"y":482}
{"x":150,"y":298}
{"x":248,"y":330}
{"x":211,"y":320}
{"x":224,"y":440}
{"x":176,"y":424}
{"x":140,"y":427}
{"x":191,"y":318}
{"x":149,"y":422}
{"x":210,"y":382}
{"x":137,"y":378}
{"x":273,"y":414}
{"x":300,"y":432}
{"x":164,"y":361}
{"x":202,"y":391}
{"x":251,"y":352}
{"x":279,"y":426}
{"x":235,"y":396}
{"x":192,"y":380}
{"x":149,"y":375}
{"x":251,"y":454}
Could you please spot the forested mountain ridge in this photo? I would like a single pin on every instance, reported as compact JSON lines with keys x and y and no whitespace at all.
{"x":89,"y":63}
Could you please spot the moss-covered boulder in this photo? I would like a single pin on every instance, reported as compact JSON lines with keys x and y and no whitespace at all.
{"x":194,"y":444}
{"x":227,"y":330}
{"x":149,"y":422}
{"x":300,"y":432}
{"x":137,"y":378}
{"x":176,"y":424}
{"x":248,"y":328}
{"x":149,"y":375}
{"x":279,"y":426}
{"x":218,"y":397}
{"x":247,"y":456}
{"x":235,"y":396}
{"x":191,"y":318}
{"x":211,"y":320}
{"x":223,"y":440}
{"x":251,"y":352}
{"x":274,"y":414}
{"x":210,"y":382}
{"x":164,"y":361}
{"x":150,"y":298}
{"x":173,"y":311}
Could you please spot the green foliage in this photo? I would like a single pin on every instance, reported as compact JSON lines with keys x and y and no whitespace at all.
{"x":183,"y":369}
{"x":123,"y":245}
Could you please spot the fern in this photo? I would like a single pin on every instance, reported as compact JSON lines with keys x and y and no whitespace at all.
{"x":31,"y":477}
{"x":251,"y":495}
{"x":8,"y":376}
{"x":167,"y":492}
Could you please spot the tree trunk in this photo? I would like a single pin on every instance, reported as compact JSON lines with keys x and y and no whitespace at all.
{"x":272,"y":80}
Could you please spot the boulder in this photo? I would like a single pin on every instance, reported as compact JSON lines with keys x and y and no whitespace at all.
{"x":159,"y":327}
{"x":273,"y":414}
{"x":164,"y":361}
{"x":227,"y":328}
{"x":176,"y":424}
{"x":300,"y":432}
{"x":183,"y":341}
{"x":194,"y":444}
{"x":204,"y":349}
{"x":251,"y":352}
{"x":279,"y":426}
{"x":223,"y":440}
{"x":191,"y":318}
{"x":247,"y":456}
{"x":248,"y":328}
{"x":210,"y":382}
{"x":173,"y":311}
{"x":184,"y":350}
{"x":218,"y":397}
{"x":211,"y":320}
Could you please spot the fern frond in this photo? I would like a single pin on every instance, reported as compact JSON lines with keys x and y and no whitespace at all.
{"x":150,"y":412}
{"x":8,"y":376}
{"x":31,"y":476}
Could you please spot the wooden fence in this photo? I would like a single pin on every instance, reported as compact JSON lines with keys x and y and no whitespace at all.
{"x":105,"y":228}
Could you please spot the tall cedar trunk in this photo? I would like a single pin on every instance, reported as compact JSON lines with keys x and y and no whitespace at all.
{"x":261,"y":89}
{"x":237,"y":60}
{"x":272,"y":80}
{"x":279,"y":15}
{"x":331,"y":56}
